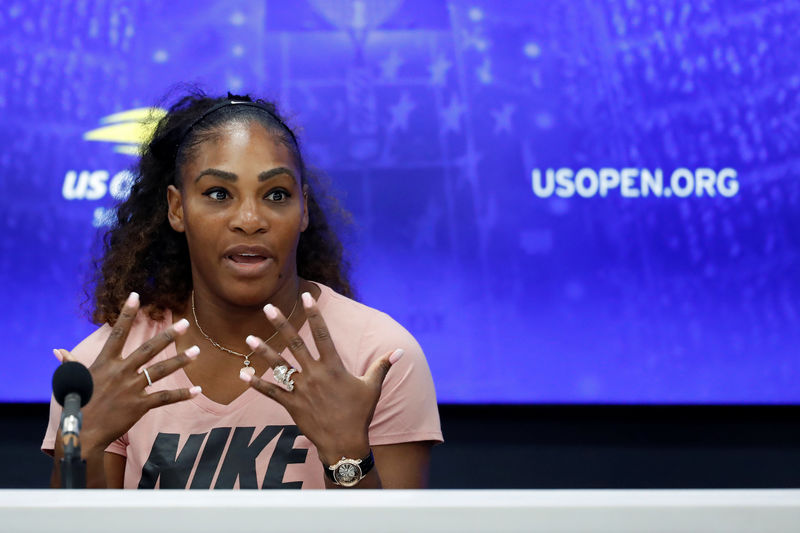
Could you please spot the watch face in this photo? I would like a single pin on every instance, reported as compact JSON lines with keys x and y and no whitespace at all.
{"x":347,"y":474}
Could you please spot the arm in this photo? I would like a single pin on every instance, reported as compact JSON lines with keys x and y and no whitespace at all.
{"x":404,"y":465}
{"x":103,"y":469}
{"x":120,"y":398}
{"x":115,"y":470}
{"x":334,"y":409}
{"x":397,"y":466}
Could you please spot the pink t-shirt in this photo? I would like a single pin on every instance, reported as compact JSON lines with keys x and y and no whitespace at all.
{"x":252,"y":442}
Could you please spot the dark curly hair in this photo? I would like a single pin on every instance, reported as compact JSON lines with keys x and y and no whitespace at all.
{"x":141,"y":252}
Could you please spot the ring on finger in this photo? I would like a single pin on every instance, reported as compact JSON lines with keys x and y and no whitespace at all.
{"x":289,"y":382}
{"x":282,"y":373}
{"x":147,"y":375}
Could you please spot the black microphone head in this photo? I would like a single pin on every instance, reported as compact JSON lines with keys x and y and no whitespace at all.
{"x":72,"y":377}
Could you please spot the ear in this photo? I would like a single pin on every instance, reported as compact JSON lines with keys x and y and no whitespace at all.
{"x":304,"y":222}
{"x":175,"y":209}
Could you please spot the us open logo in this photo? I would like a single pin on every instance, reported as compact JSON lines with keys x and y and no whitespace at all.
{"x":634,"y":182}
{"x":126,"y":131}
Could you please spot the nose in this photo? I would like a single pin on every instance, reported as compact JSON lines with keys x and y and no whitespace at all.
{"x":249,"y":218}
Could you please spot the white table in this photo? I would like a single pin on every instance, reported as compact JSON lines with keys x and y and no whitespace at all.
{"x":489,"y":511}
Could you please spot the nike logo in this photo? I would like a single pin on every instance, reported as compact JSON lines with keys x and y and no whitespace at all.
{"x":172,"y":468}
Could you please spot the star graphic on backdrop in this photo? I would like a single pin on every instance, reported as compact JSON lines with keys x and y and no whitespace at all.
{"x":502,"y":118}
{"x":438,"y":70}
{"x":484,"y":71}
{"x":390,"y":65}
{"x":400,"y":112}
{"x":474,"y":40}
{"x":451,"y":115}
{"x":469,"y":161}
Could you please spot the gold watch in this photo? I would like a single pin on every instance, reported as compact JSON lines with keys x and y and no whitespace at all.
{"x":348,"y":472}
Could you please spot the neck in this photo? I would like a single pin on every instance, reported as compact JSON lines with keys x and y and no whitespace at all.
{"x":229,"y":324}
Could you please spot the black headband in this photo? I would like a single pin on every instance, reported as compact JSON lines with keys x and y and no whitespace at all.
{"x":226,"y":103}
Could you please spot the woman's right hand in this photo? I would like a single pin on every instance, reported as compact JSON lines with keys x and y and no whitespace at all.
{"x":120,"y":398}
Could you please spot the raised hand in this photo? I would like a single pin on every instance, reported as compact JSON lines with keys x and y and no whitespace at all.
{"x":330,"y":406}
{"x":120,"y":397}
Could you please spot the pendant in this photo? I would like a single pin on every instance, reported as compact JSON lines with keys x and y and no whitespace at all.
{"x":247,"y":369}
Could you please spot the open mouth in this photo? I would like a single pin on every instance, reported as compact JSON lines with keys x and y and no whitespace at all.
{"x":246,"y":258}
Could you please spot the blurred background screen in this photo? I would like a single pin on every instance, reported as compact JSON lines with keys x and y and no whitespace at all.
{"x":565,"y":202}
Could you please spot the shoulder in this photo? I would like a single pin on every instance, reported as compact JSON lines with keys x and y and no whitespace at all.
{"x":143,"y":328}
{"x":363,"y":334}
{"x":373,"y":328}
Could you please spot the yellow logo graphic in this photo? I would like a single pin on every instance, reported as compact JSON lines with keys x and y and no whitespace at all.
{"x":127,"y":129}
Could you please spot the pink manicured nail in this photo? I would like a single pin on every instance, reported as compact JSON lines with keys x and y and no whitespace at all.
{"x":58,"y":355}
{"x":181,"y":326}
{"x":133,"y":299}
{"x":269,"y":309}
{"x":194,"y":391}
{"x":252,"y":341}
{"x":308,"y":301}
{"x":192,"y":352}
{"x":244,"y":376}
{"x":396,"y":355}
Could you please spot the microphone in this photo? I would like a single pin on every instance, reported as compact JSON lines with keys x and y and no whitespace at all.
{"x":72,"y":388}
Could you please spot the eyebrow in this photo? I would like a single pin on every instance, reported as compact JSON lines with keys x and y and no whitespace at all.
{"x":230,"y":176}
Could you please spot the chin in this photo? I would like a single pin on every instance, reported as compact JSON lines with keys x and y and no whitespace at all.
{"x":255,"y":292}
{"x":248,"y":295}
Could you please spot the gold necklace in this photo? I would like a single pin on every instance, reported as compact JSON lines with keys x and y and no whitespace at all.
{"x":247,"y":368}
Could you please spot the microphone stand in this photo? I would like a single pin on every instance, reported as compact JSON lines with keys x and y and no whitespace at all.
{"x":73,"y":467}
{"x":72,"y":388}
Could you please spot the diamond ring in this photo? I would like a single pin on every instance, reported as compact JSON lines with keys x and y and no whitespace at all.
{"x":282,"y":374}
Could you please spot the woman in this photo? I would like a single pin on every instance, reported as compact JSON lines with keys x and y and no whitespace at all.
{"x":237,"y":359}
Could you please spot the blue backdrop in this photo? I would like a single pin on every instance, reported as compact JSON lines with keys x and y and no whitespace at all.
{"x":563,"y":201}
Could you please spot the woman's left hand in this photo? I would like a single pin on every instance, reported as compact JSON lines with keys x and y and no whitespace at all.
{"x":330,"y":406}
